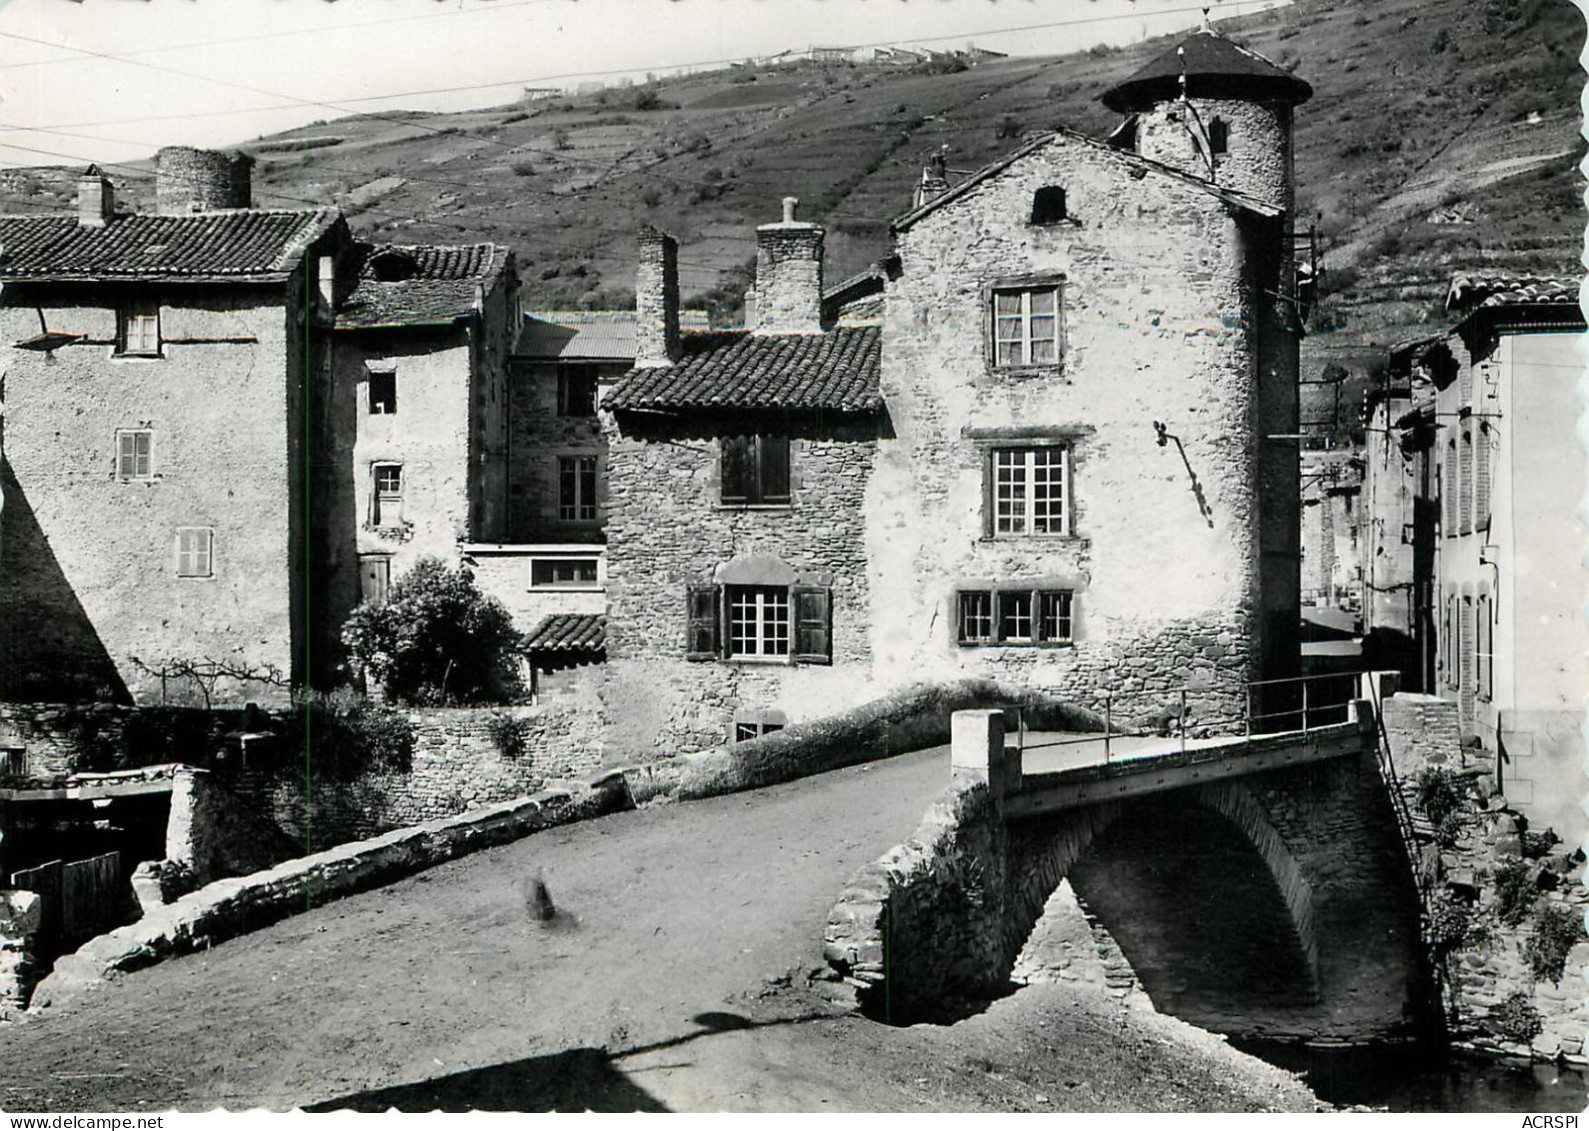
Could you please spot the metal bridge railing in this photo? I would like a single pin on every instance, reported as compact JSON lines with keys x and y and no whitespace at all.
{"x":1305,"y":702}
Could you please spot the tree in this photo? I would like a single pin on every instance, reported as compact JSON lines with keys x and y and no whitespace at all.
{"x":436,"y":639}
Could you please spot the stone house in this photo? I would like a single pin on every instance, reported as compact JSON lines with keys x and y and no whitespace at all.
{"x":201,"y":408}
{"x":1090,"y":356}
{"x":1066,"y":457}
{"x":737,"y":589}
{"x":1508,"y":585}
{"x":1332,"y":485}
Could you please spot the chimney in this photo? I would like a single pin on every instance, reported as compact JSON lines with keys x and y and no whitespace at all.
{"x":788,"y":276}
{"x":201,"y":180}
{"x":96,"y":199}
{"x":656,"y":292}
{"x":934,"y":179}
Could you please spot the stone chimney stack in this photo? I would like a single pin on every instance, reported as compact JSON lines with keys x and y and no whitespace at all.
{"x":96,"y":199}
{"x":934,"y":179}
{"x":202,"y":180}
{"x":788,"y":276}
{"x":656,"y":292}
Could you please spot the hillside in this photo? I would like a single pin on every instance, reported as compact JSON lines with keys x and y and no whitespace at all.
{"x":1442,"y":136}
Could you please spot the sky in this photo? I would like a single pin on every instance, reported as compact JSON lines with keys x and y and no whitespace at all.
{"x":113,"y":80}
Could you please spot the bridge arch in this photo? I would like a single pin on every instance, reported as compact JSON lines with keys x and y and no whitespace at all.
{"x":946,"y":916}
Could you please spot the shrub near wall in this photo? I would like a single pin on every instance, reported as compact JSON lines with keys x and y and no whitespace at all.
{"x":457,"y":762}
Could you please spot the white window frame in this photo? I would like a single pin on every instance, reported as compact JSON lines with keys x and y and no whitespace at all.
{"x":139,"y":333}
{"x":1024,"y":460}
{"x":991,"y":614}
{"x":762,"y":603}
{"x":194,"y":552}
{"x":1023,"y":320}
{"x":596,"y":586}
{"x":386,"y":507}
{"x":573,"y":511}
{"x":122,"y":436}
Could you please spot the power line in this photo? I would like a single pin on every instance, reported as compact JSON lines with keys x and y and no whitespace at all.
{"x":496,"y":7}
{"x":534,"y":80}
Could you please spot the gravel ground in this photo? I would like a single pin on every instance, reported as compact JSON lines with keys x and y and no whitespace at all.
{"x":676,"y":976}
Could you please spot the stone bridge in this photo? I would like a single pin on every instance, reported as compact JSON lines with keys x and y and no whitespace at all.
{"x":1259,"y":886}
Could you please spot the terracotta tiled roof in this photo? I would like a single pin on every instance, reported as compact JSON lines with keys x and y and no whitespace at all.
{"x":569,"y":632}
{"x":1469,"y":292}
{"x":1215,"y":67}
{"x":243,"y":243}
{"x":589,"y":335}
{"x":418,"y":285}
{"x":836,"y":370}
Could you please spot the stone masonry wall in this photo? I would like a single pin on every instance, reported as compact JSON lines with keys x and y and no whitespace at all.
{"x":667,"y":530}
{"x":88,"y":573}
{"x":1157,"y":311}
{"x":57,"y":737}
{"x":456,"y":765}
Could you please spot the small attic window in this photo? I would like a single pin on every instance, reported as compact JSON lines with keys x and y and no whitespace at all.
{"x":1218,"y":136}
{"x":1048,"y":205}
{"x":392,"y":266}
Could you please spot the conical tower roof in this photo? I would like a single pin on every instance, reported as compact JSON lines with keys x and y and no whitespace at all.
{"x":1215,"y":67}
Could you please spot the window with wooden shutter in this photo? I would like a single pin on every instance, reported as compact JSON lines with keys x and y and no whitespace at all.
{"x":704,"y":623}
{"x":1481,"y":478}
{"x":133,"y":450}
{"x":813,"y":610}
{"x":195,"y":551}
{"x":755,"y":470}
{"x":1465,"y":484}
{"x":1448,"y":491}
{"x":1485,"y":648}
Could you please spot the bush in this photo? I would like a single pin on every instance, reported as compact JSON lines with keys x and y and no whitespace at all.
{"x":1009,"y":126}
{"x":1451,"y":925}
{"x":437,"y":639}
{"x":343,"y":738}
{"x":1437,"y":797}
{"x":1515,"y":892}
{"x":1556,"y":930}
{"x":1515,"y":1019}
{"x":510,"y":734}
{"x":523,"y":168}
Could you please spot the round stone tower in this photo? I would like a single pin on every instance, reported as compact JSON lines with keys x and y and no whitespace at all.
{"x":1222,"y":113}
{"x":1218,"y":111}
{"x":201,"y":180}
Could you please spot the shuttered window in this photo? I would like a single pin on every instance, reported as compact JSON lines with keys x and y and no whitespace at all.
{"x":134,"y":448}
{"x":1465,"y":484}
{"x":1484,"y":647}
{"x":1481,"y":477}
{"x":1448,"y":491}
{"x":767,"y":622}
{"x":755,"y":470}
{"x":195,"y":551}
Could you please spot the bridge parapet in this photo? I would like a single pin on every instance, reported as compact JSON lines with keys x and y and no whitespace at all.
{"x":943,"y":918}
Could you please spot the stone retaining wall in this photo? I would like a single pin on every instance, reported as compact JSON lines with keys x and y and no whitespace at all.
{"x":232,"y":907}
{"x":457,"y":764}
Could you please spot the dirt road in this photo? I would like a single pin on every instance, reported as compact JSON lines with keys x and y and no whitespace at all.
{"x":673,"y":978}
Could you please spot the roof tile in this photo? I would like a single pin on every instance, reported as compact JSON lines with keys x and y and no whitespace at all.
{"x":569,"y":632}
{"x":423,"y":284}
{"x":836,"y":370}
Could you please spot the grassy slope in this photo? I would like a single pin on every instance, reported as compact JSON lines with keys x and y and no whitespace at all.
{"x":1421,"y":108}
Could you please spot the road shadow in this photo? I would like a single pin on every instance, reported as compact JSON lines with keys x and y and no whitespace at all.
{"x":581,"y":1079}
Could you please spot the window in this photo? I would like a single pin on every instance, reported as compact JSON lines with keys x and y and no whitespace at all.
{"x":1448,"y":490}
{"x":1484,"y":648}
{"x":195,"y":551}
{"x":1481,"y":478}
{"x":564,"y":573}
{"x":133,"y":447}
{"x":139,"y":330}
{"x":1028,"y":490}
{"x":1026,"y":326}
{"x":576,"y":390}
{"x":770,"y":622}
{"x":1218,"y":136}
{"x":387,"y":507}
{"x":383,"y":392}
{"x":1465,"y":484}
{"x":576,"y":488}
{"x":755,"y":470}
{"x":1014,"y":616}
{"x":753,"y":724}
{"x":744,"y":732}
{"x":1448,"y":632}
{"x":1048,"y":205}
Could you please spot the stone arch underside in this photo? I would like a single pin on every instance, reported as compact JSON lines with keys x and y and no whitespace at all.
{"x":1139,"y":867}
